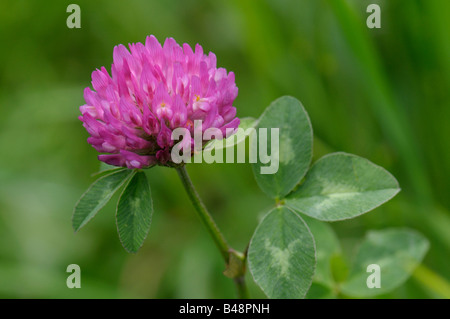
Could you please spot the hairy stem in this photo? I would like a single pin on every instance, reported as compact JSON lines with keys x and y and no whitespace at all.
{"x":213,"y":230}
{"x":203,"y":213}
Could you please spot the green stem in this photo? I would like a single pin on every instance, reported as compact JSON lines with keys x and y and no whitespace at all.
{"x":241,"y":287}
{"x":219,"y":240}
{"x":206,"y":218}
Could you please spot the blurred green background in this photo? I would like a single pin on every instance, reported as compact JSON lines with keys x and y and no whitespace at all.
{"x":383,"y":94}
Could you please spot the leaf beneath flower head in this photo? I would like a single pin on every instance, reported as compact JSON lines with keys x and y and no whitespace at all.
{"x":97,"y":195}
{"x":134,"y":213}
{"x":295,"y":146}
{"x":341,"y":186}
{"x":235,"y":139}
{"x":281,"y":256}
{"x":106,"y":168}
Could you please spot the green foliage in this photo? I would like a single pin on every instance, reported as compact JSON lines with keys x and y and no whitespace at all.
{"x":327,"y":248}
{"x":342,"y":186}
{"x":134,"y":213}
{"x":294,"y":145}
{"x":396,"y":251}
{"x":281,"y":255}
{"x":134,"y":209}
{"x":97,"y":195}
{"x":106,"y":167}
{"x":338,"y":186}
{"x":235,"y":139}
{"x":375,"y":93}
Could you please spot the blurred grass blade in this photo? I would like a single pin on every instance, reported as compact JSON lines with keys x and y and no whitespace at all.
{"x":432,"y":281}
{"x":390,"y":115}
{"x":97,"y":195}
{"x":134,"y":213}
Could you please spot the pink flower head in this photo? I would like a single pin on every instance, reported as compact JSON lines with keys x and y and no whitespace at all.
{"x":153,"y":90}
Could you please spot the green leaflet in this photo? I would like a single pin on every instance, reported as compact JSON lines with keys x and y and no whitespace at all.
{"x":342,"y":186}
{"x":281,"y":255}
{"x":97,"y":195}
{"x":396,"y":251}
{"x":134,"y":213}
{"x":294,"y":146}
{"x":327,"y":246}
{"x":235,"y":139}
{"x":103,"y":168}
